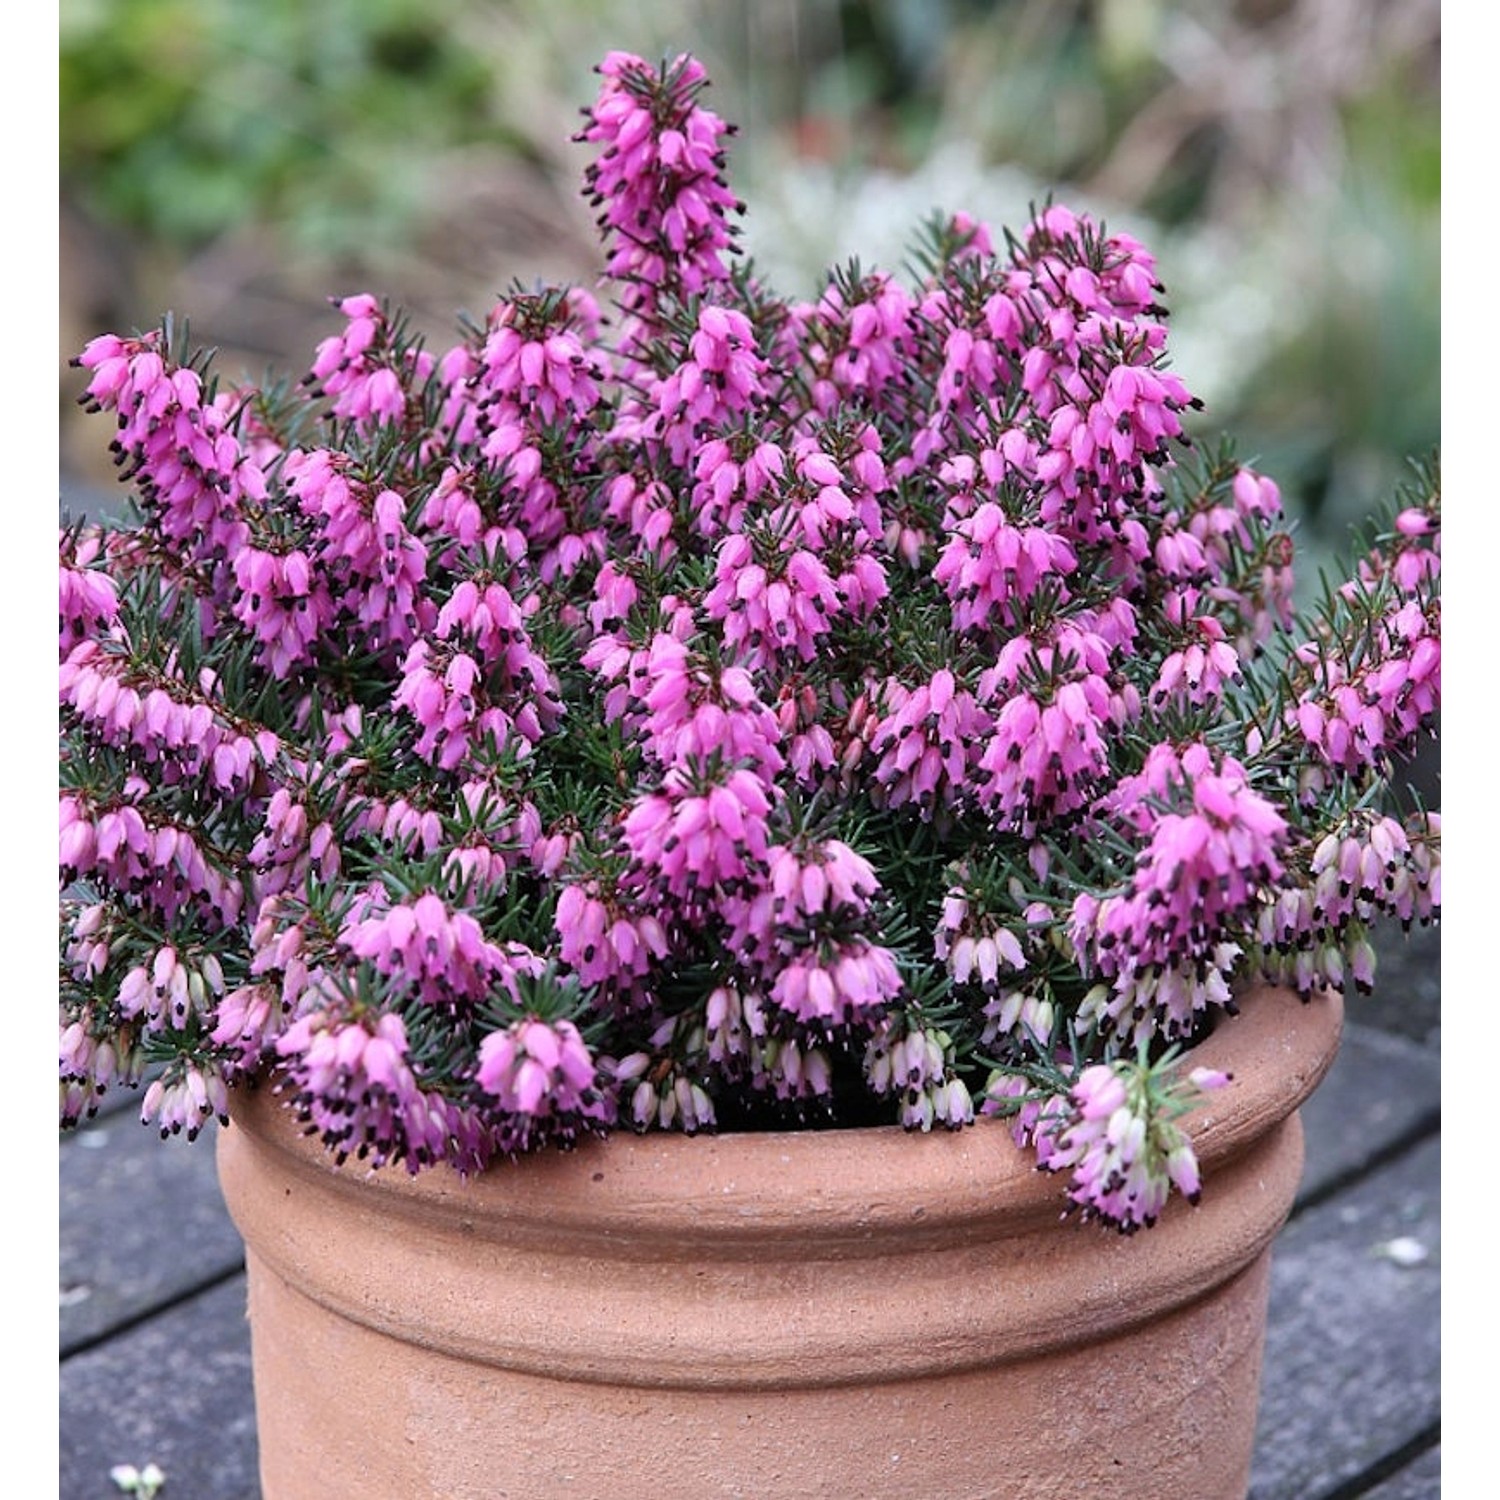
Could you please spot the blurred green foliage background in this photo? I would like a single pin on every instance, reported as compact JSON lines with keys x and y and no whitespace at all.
{"x":240,"y":160}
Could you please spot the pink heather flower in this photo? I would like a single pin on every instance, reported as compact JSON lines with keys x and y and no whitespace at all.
{"x":457,"y":698}
{"x":991,"y":568}
{"x":793,"y":1069}
{"x":484,"y":613}
{"x":438,"y":690}
{"x":1256,"y":495}
{"x":1056,"y":251}
{"x":1229,"y":842}
{"x":90,"y":935}
{"x":181,"y":737}
{"x":732,"y":473}
{"x":1254,"y":501}
{"x":1130,"y":801}
{"x":1118,"y":1140}
{"x":734,"y":1025}
{"x":454,"y":514}
{"x":1028,"y":1014}
{"x":278,"y":947}
{"x":116,"y":364}
{"x":533,"y":378}
{"x":970,"y":368}
{"x":550,"y":850}
{"x":403,"y":825}
{"x":926,"y":741}
{"x":91,"y":1061}
{"x":824,"y":503}
{"x":658,"y":179}
{"x":184,"y":1099}
{"x":1055,"y":708}
{"x":604,"y":937}
{"x":352,"y":1082}
{"x":916,"y":1064}
{"x":615,"y":595}
{"x":248,"y":1021}
{"x":1095,"y":451}
{"x":1417,"y":889}
{"x":1104,"y":418}
{"x":721,"y":379}
{"x":857,"y":344}
{"x":772,"y":600}
{"x":188,"y":465}
{"x":627,"y":668}
{"x":695,"y":711}
{"x":642,"y":510}
{"x":1315,"y":933}
{"x":1032,"y":1116}
{"x":539,"y":499}
{"x":87,"y":599}
{"x":289,"y":848}
{"x":1180,"y":557}
{"x":365,"y":325}
{"x":1146,"y":1001}
{"x":171,"y":990}
{"x":355,"y":367}
{"x":809,"y":744}
{"x":813,"y":878}
{"x":700,"y":835}
{"x":442,"y":953}
{"x":533,"y":358}
{"x":1359,"y":715}
{"x":1197,"y":882}
{"x":975,"y":946}
{"x":497,"y":834}
{"x":812,"y":886}
{"x":1248,"y":563}
{"x":969,"y":352}
{"x":162,"y":864}
{"x":672,"y":1102}
{"x":545,"y":1079}
{"x":832,"y":985}
{"x":374,"y":566}
{"x":281,"y":604}
{"x":1197,"y":673}
{"x":1414,"y":559}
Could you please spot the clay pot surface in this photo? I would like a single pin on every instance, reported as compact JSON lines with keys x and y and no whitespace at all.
{"x":859,"y":1313}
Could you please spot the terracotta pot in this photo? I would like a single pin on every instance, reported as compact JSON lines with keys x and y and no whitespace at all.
{"x":850,"y":1313}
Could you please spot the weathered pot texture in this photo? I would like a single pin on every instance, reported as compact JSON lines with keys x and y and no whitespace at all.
{"x":859,"y":1313}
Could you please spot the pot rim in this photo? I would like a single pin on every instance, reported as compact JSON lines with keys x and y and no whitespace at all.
{"x":846,"y":1257}
{"x":887,"y":1180}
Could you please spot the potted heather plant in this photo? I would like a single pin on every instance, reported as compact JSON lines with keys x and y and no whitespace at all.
{"x":715,"y":731}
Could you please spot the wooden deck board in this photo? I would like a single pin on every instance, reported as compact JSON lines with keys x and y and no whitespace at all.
{"x":142,"y":1224}
{"x":1382,"y":1092}
{"x":175,"y":1391}
{"x":1352,"y":1343}
{"x":1418,"y":1480}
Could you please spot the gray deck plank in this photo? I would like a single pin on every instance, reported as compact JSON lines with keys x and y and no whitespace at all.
{"x":174,"y":1391}
{"x":1419,"y":1480}
{"x":1381,"y":1092}
{"x":1352,"y":1343}
{"x":141,"y":1223}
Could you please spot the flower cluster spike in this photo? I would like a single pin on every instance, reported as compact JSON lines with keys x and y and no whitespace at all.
{"x":679,"y":706}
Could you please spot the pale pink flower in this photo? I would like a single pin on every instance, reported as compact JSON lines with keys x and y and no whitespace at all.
{"x":1116,"y":1135}
{"x":544,"y":1078}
